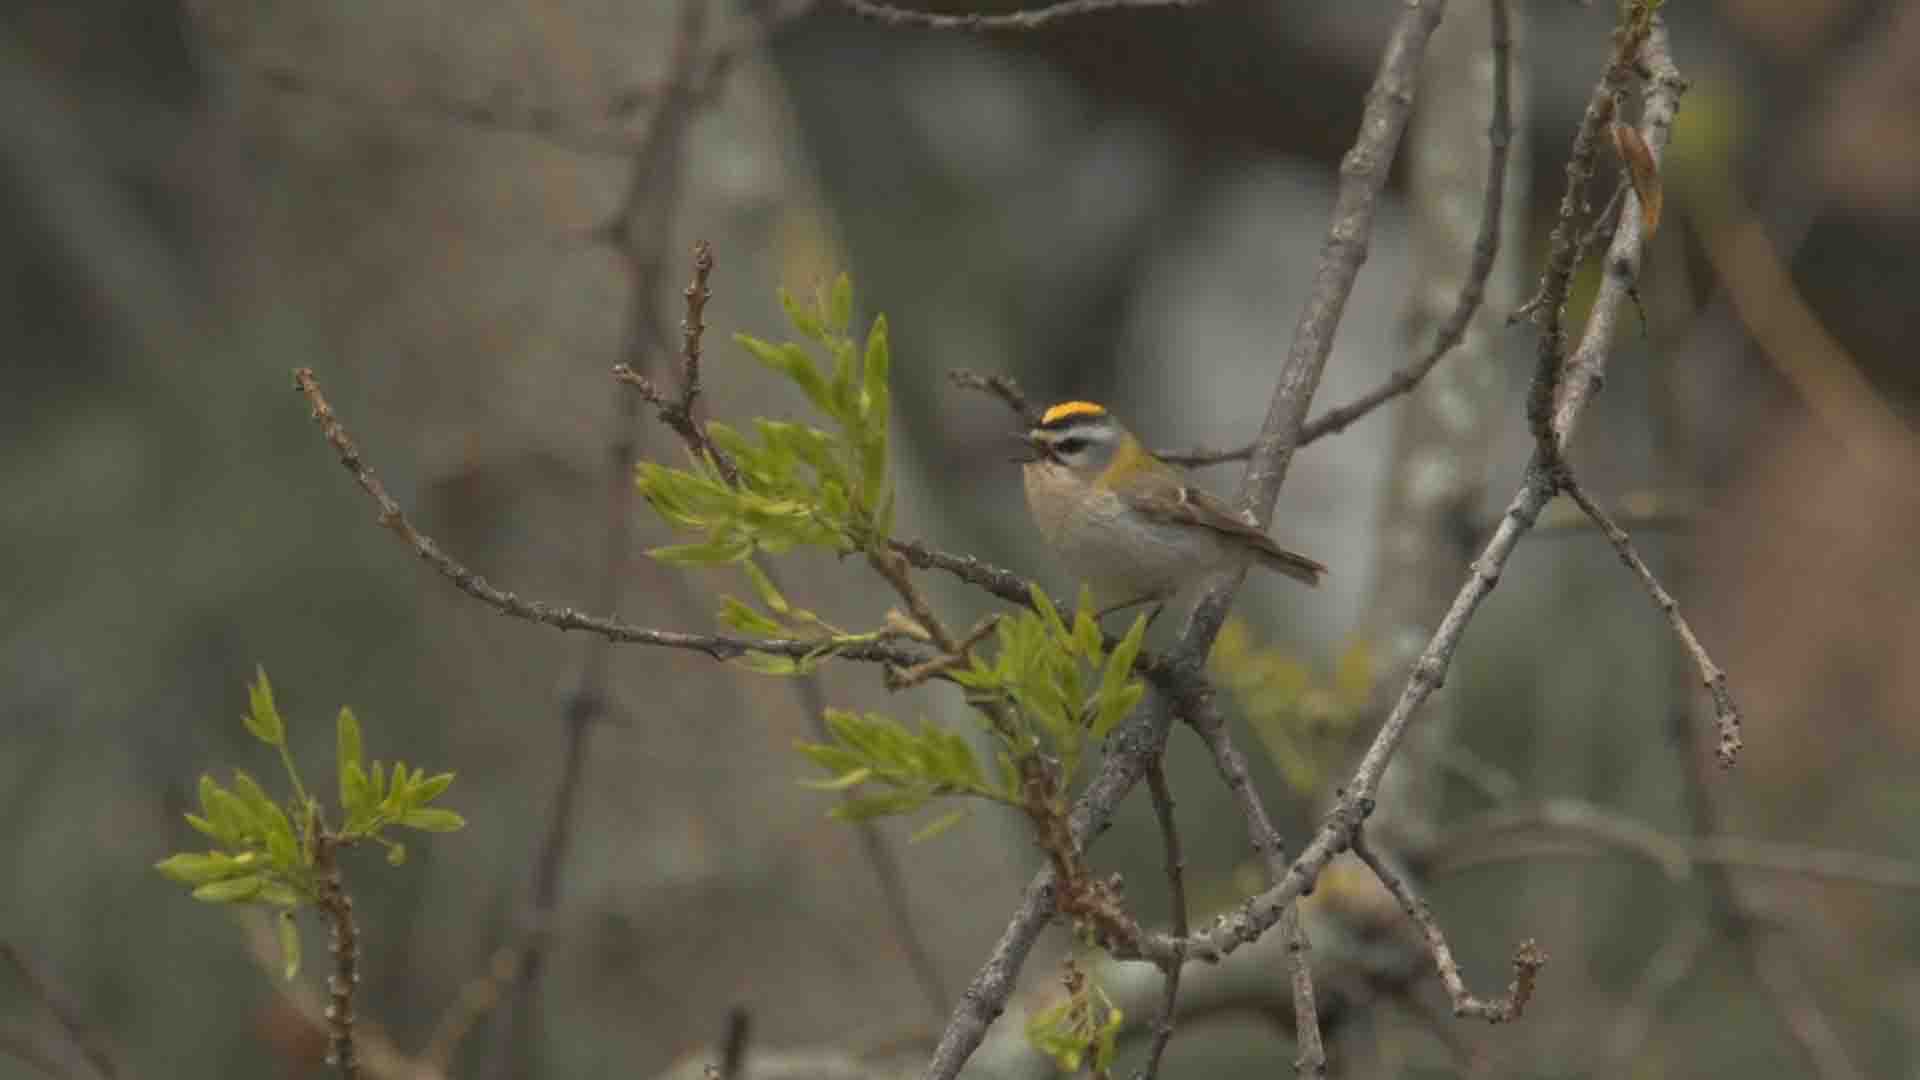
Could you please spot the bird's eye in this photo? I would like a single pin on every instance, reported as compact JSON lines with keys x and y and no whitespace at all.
{"x":1072,"y":445}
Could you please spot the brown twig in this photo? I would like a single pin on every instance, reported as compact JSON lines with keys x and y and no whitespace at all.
{"x":1000,"y":386}
{"x":77,"y":1032}
{"x":677,"y":411}
{"x":1004,"y":584}
{"x":1177,"y":903}
{"x":336,"y":907}
{"x":1527,"y":958}
{"x":1549,"y":305}
{"x":718,"y":646}
{"x":889,"y":15}
{"x":1141,"y":741}
{"x":1726,"y":715}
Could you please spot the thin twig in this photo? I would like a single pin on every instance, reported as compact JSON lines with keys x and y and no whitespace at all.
{"x":1486,"y":247}
{"x":73,"y":1027}
{"x":1527,"y":958}
{"x":1311,"y":1058}
{"x":1177,"y":902}
{"x":1549,"y":305}
{"x":1018,"y":20}
{"x":336,"y":907}
{"x":1000,"y":386}
{"x":719,"y":646}
{"x":1142,"y":740}
{"x":1726,"y":715}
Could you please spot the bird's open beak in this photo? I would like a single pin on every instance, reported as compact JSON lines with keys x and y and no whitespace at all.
{"x":1036,"y":450}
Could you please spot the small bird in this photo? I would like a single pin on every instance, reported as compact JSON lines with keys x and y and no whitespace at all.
{"x":1128,"y":522}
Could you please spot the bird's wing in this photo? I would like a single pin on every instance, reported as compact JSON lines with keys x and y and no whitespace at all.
{"x":1185,"y":505}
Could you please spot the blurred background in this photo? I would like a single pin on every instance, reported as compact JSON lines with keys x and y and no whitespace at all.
{"x":462,"y":216}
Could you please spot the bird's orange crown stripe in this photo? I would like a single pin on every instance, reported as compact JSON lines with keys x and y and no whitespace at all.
{"x":1067,"y":409}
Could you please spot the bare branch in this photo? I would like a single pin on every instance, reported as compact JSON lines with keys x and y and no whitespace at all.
{"x":1177,"y":901}
{"x":1018,"y":20}
{"x":718,"y":646}
{"x":1527,"y":959}
{"x":336,"y":907}
{"x":1000,"y":386}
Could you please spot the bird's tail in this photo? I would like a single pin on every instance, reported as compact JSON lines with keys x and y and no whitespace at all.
{"x":1291,"y":563}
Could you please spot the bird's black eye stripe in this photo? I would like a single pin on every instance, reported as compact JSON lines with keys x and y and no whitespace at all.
{"x":1072,"y":444}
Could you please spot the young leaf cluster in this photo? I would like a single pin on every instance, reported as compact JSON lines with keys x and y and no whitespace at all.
{"x":800,"y":486}
{"x":1052,"y":689}
{"x":1085,"y":1023}
{"x":1303,"y":718}
{"x":265,"y":851}
{"x":1063,"y":687}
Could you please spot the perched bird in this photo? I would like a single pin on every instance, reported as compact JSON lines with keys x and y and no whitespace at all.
{"x":1127,"y":522}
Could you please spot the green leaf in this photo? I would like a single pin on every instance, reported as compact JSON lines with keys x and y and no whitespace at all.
{"x":770,"y":594}
{"x":232,"y":890}
{"x":746,"y":620}
{"x":433,"y":819}
{"x":937,"y":826}
{"x":769,"y":664}
{"x":396,"y":854}
{"x":262,"y":718}
{"x":1049,"y":614}
{"x":803,"y":320}
{"x":793,"y":362}
{"x":202,"y":825}
{"x":189,"y":868}
{"x":712,"y":553}
{"x":875,"y":400}
{"x":868,"y":807}
{"x":840,"y":304}
{"x":1118,"y":688}
{"x":289,"y":945}
{"x":355,"y":797}
{"x":850,"y":779}
{"x":431,"y":788}
{"x":279,"y":894}
{"x":347,"y":743}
